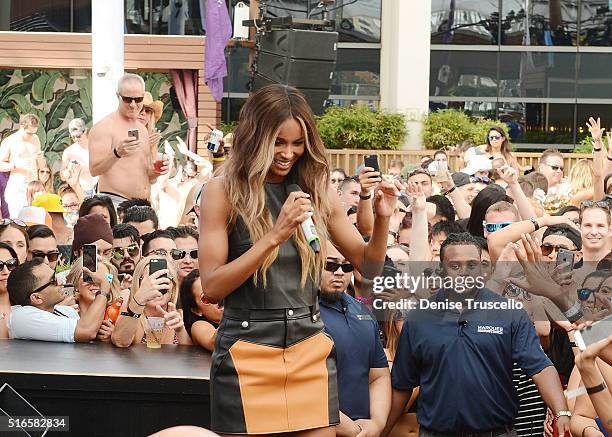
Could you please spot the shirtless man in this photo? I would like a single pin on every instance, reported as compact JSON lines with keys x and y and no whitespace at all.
{"x":18,"y":153}
{"x":124,"y":163}
{"x":76,"y":157}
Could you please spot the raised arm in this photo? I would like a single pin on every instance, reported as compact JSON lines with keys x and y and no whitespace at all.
{"x":419,"y":237}
{"x":599,"y":156}
{"x":368,"y":180}
{"x":367,"y":258}
{"x":510,"y":176}
{"x":450,"y":190}
{"x":88,"y":326}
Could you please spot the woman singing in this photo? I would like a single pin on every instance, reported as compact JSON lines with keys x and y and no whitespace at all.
{"x":273,"y":367}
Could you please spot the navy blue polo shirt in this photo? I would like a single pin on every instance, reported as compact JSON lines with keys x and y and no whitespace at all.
{"x":358,"y":349}
{"x":463,"y":362}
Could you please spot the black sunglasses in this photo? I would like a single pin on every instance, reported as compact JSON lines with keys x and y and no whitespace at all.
{"x":132,"y":251}
{"x":547,"y":248}
{"x":555,"y":167}
{"x":177,"y":254}
{"x":52,"y":281}
{"x":331,"y":266}
{"x":11,"y":264}
{"x":51,"y":256}
{"x":127,"y":99}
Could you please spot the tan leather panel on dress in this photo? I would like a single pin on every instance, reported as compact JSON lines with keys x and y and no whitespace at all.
{"x":283,"y":390}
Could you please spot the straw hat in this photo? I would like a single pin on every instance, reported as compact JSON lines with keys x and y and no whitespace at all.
{"x":157,"y":106}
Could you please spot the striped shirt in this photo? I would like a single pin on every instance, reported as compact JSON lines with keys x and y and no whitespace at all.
{"x":532,"y":409}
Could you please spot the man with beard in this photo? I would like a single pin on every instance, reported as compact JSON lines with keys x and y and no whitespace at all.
{"x":126,"y":251}
{"x":364,"y":384}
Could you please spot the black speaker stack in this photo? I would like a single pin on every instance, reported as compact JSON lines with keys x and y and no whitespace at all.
{"x":298,"y":57}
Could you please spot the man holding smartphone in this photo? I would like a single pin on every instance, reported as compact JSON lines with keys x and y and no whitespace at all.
{"x":119,"y":147}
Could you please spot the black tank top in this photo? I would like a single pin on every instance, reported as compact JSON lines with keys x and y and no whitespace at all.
{"x":284,"y":275}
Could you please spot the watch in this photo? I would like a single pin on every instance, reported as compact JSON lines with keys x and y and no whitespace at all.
{"x":130,"y":313}
{"x":369,"y":196}
{"x":574,"y":313}
{"x":536,"y":225}
{"x":563,"y":413}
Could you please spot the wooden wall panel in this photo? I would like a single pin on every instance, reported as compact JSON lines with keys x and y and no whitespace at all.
{"x":142,"y":52}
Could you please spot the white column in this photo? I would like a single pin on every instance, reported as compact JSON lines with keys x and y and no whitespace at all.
{"x":404,"y":63}
{"x":107,"y":26}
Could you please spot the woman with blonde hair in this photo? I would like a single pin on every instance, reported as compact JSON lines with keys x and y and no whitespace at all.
{"x":45,"y":174}
{"x":149,"y":116}
{"x":87,"y":291}
{"x":581,"y":178}
{"x":33,"y":190}
{"x":270,"y":344}
{"x":151,"y":295}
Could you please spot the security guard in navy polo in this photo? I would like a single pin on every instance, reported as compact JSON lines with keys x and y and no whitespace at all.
{"x":462,"y":359}
{"x":364,"y":382}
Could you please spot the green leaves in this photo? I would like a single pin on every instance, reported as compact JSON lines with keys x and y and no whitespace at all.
{"x":358,"y":127}
{"x":449,"y":127}
{"x":42,"y":88}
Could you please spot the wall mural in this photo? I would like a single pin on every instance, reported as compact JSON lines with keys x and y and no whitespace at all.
{"x":58,"y":96}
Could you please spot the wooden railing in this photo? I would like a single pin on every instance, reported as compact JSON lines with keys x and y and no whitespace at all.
{"x":350,"y":159}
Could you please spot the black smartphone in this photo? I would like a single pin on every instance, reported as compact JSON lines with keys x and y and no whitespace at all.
{"x":133,"y":133}
{"x":156,"y":265}
{"x":564,"y":257}
{"x":371,"y":161}
{"x":90,"y":260}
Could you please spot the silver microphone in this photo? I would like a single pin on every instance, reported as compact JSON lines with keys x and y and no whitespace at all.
{"x":308,"y":227}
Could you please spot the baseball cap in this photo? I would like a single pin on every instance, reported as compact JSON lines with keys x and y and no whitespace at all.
{"x":76,"y":127}
{"x":477,"y":163}
{"x":50,"y":202}
{"x":35,"y":215}
{"x":460,"y":179}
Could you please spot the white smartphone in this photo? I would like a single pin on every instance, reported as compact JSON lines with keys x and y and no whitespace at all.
{"x":596,"y":332}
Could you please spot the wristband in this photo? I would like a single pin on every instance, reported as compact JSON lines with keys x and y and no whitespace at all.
{"x":116,"y":154}
{"x":393,"y":234}
{"x":536,"y":225}
{"x":450,"y":190}
{"x":597,"y":388}
{"x":369,"y":196}
{"x":609,"y":158}
{"x":219,"y":159}
{"x":130,"y":313}
{"x":574,"y":313}
{"x":134,"y":299}
{"x":596,"y":150}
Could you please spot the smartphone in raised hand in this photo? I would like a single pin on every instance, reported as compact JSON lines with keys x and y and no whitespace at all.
{"x":372,"y":162}
{"x":596,"y":332}
{"x":156,"y":265}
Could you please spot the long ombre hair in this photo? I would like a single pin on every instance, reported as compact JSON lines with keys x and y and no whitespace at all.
{"x":581,"y":176}
{"x":245,"y":173}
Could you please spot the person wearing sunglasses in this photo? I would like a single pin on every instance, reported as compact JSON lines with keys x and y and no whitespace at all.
{"x":498,"y":216}
{"x":497,"y":146}
{"x":161,"y":243}
{"x":126,"y":251}
{"x":364,"y":383}
{"x":119,"y":150}
{"x":336,"y":177}
{"x":8,"y":263}
{"x":587,"y":293}
{"x":562,"y":236}
{"x":186,"y":240}
{"x":552,"y":166}
{"x":43,"y":245}
{"x":37,"y":313}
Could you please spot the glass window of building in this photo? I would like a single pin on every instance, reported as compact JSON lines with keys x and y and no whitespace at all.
{"x":357,"y":73}
{"x":177,"y":17}
{"x":35,"y":15}
{"x":356,"y":21}
{"x":595,"y":23}
{"x":594,"y":79}
{"x":584,"y":111}
{"x":464,"y":22}
{"x":539,"y":23}
{"x":81,"y":16}
{"x":538,"y":123}
{"x":463,"y":73}
{"x":471,"y":108}
{"x":537,"y":74}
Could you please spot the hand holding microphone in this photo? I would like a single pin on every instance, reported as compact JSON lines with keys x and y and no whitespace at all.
{"x":297,"y":211}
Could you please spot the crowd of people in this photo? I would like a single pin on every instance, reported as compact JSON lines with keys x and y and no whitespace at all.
{"x":311,"y":331}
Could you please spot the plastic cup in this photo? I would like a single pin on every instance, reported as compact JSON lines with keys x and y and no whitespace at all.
{"x":154,"y":329}
{"x":159,"y":162}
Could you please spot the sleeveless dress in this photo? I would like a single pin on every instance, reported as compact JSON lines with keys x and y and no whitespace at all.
{"x":273,"y":368}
